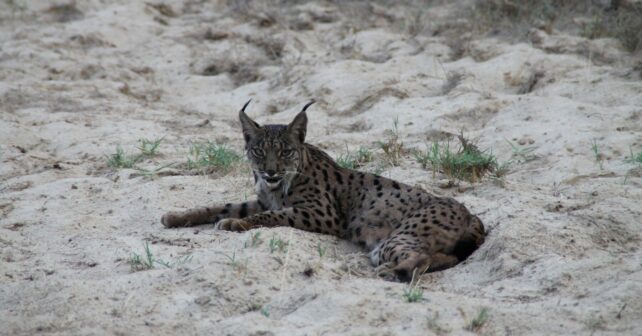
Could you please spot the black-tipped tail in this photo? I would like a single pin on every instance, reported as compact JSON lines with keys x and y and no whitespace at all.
{"x":471,"y":239}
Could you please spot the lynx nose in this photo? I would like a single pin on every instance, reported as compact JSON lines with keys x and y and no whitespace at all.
{"x":270,"y":173}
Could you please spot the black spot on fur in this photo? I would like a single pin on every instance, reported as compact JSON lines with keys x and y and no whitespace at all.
{"x":243,"y":210}
{"x":338,"y":176}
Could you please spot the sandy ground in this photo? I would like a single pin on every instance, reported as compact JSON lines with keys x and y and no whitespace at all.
{"x":563,"y":254}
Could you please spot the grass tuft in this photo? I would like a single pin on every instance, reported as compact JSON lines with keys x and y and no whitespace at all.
{"x":522,"y":153}
{"x":265,"y":311}
{"x":149,"y":148}
{"x":634,"y":158}
{"x":234,"y":262}
{"x":433,"y":325}
{"x":120,"y":159}
{"x":595,"y":323}
{"x":278,"y":244}
{"x":146,"y":261}
{"x":211,"y":155}
{"x":392,"y":147}
{"x":254,"y":241}
{"x":467,"y":163}
{"x":599,"y":158}
{"x":479,"y":321}
{"x":412,"y":292}
{"x":321,"y":250}
{"x":354,"y":160}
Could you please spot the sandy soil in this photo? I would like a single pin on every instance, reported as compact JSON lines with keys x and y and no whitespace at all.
{"x":563,"y":254}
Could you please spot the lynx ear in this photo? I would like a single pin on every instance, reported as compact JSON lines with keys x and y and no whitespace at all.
{"x":250,"y":127}
{"x":299,"y":125}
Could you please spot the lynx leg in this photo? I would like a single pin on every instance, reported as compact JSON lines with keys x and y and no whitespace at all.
{"x":208,"y":215}
{"x":414,"y":264}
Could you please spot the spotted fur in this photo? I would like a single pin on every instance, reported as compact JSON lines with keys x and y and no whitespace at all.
{"x":405,"y":228}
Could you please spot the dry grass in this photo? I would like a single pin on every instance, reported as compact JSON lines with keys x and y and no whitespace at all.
{"x":593,"y":19}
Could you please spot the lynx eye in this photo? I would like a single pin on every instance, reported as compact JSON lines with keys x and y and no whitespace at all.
{"x":257,"y":152}
{"x":288,"y":153}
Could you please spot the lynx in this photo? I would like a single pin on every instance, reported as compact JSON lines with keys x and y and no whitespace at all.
{"x":406,"y":230}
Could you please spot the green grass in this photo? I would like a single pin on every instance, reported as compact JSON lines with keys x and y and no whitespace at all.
{"x":277,"y":244}
{"x":234,"y":262}
{"x":149,"y":148}
{"x":145,"y":261}
{"x":595,"y":323}
{"x":120,"y":159}
{"x":265,"y":311}
{"x":479,"y":321}
{"x":208,"y":154}
{"x":413,"y":294}
{"x":433,"y":325}
{"x":321,"y":250}
{"x":598,"y":155}
{"x":466,"y":163}
{"x":254,"y":241}
{"x":522,"y":153}
{"x":354,"y":160}
{"x":153,"y":172}
{"x":634,"y":158}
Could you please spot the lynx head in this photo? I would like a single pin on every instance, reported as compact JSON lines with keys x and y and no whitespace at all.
{"x":274,"y":151}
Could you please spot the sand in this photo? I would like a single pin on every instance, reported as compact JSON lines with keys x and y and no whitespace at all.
{"x":563,"y":252}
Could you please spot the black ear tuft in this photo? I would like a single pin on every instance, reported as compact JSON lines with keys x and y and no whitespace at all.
{"x":298,"y":127}
{"x":250,"y":127}
{"x":308,"y":105}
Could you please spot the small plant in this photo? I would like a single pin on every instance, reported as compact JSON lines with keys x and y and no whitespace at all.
{"x":522,"y":154}
{"x":177,"y":262}
{"x":149,"y":148}
{"x":209,"y":154}
{"x":501,"y":169}
{"x":634,"y":158}
{"x":392,"y":147}
{"x":236,"y":264}
{"x":254,"y":241}
{"x":413,"y":294}
{"x":153,"y":172}
{"x":147,"y":261}
{"x":265,"y":311}
{"x":467,"y":163}
{"x":596,"y":152}
{"x":278,"y":244}
{"x":478,"y":322}
{"x":122,"y":160}
{"x":142,"y":262}
{"x":433,"y":324}
{"x":321,"y":250}
{"x":354,"y":160}
{"x":595,"y":323}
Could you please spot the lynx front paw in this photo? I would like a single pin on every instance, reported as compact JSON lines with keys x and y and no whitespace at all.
{"x":173,"y":219}
{"x":385,"y":272}
{"x":233,"y":224}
